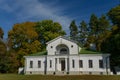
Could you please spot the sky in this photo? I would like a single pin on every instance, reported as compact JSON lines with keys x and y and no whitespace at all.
{"x":62,"y":11}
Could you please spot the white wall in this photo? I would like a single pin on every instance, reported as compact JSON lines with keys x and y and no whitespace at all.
{"x":85,"y":58}
{"x":35,"y":60}
{"x":55,"y":43}
{"x":52,"y":68}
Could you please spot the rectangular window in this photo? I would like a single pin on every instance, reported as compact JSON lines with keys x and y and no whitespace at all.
{"x":73,"y":63}
{"x":39,"y":64}
{"x":80,"y":64}
{"x":31,"y":64}
{"x":100,"y":63}
{"x":90,"y":64}
{"x":50,"y":63}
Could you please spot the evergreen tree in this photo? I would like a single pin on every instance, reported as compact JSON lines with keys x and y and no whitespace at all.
{"x":114,"y":15}
{"x":93,"y":30}
{"x":83,"y":32}
{"x":93,"y":25}
{"x":73,"y":30}
{"x":103,"y":32}
{"x":103,"y":24}
{"x":98,"y":28}
{"x":112,"y":43}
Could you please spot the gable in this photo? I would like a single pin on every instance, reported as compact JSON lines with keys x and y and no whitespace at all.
{"x":63,"y":37}
{"x":62,"y":43}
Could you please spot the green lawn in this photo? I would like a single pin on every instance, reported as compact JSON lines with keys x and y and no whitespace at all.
{"x":46,"y":77}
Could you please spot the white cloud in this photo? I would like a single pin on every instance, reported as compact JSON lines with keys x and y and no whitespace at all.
{"x":34,"y":9}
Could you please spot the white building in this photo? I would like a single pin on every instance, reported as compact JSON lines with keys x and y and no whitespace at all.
{"x":64,"y":57}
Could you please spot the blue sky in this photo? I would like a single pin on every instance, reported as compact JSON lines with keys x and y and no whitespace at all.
{"x":62,"y":11}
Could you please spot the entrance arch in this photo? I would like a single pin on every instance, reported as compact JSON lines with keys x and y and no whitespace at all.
{"x":62,"y":49}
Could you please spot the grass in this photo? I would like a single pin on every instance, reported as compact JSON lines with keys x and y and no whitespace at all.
{"x":52,"y":77}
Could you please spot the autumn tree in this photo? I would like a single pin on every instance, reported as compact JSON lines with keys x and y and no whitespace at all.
{"x":23,"y":39}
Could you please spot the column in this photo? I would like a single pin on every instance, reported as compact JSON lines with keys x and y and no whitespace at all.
{"x":57,"y":62}
{"x":66,"y":65}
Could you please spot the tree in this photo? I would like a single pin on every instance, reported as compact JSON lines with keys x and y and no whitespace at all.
{"x":83,"y":32}
{"x":23,"y":39}
{"x":103,"y":32}
{"x":93,"y":25}
{"x":103,"y":24}
{"x":48,"y":30}
{"x":73,"y":30}
{"x":93,"y":30}
{"x":98,"y":28}
{"x":114,"y":15}
{"x":112,"y":43}
{"x":3,"y":57}
{"x":23,"y":35}
{"x":1,"y":33}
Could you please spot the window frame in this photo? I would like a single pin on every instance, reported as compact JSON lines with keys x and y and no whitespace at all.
{"x":80,"y":63}
{"x":73,"y":63}
{"x":39,"y":63}
{"x":101,"y":64}
{"x":31,"y":64}
{"x":50,"y":63}
{"x":90,"y":62}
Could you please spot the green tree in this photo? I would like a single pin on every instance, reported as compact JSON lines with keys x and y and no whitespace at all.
{"x":114,"y":15}
{"x":93,"y":25}
{"x":103,"y":32}
{"x":103,"y":24}
{"x":1,"y":33}
{"x":98,"y":28}
{"x":93,"y":30}
{"x":48,"y":30}
{"x":83,"y":32}
{"x":73,"y":30}
{"x":112,"y":43}
{"x":13,"y":61}
{"x":3,"y":57}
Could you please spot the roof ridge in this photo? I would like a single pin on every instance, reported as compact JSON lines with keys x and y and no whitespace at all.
{"x":64,"y":37}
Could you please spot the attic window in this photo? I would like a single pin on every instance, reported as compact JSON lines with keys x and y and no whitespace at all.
{"x":71,"y":46}
{"x":51,"y":46}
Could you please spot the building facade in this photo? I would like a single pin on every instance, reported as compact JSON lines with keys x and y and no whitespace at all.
{"x":64,"y":58}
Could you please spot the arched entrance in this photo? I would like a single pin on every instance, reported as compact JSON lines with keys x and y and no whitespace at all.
{"x":62,"y":49}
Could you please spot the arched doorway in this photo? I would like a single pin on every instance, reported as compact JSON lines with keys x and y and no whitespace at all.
{"x":62,"y":49}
